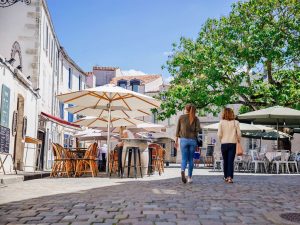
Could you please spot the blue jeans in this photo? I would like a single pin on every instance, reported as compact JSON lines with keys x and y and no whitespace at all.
{"x":228,"y":154}
{"x":187,"y":147}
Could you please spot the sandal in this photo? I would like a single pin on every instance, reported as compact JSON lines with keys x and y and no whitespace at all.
{"x":229,"y":180}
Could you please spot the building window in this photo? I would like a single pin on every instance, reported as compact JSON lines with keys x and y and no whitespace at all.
{"x":155,"y":117}
{"x":46,"y":39}
{"x":80,"y":82}
{"x":68,"y":141}
{"x":122,"y":83}
{"x":135,"y":85}
{"x":70,"y":78}
{"x":70,"y":115}
{"x":61,"y":110}
{"x":52,"y":52}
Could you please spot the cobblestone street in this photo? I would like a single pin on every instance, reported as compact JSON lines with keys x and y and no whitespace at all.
{"x":156,"y":200}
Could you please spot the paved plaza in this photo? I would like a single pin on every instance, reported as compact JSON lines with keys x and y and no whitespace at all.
{"x":160,"y":200}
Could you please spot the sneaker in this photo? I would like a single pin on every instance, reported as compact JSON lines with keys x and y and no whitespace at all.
{"x":183,"y":177}
{"x":190,"y":180}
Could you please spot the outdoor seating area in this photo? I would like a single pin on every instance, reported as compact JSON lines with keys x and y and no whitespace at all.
{"x":280,"y":161}
{"x":72,"y":163}
{"x":77,"y":162}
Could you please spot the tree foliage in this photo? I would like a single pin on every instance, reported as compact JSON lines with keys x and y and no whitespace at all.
{"x":250,"y":57}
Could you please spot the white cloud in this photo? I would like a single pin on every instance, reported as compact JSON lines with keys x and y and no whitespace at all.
{"x":132,"y":72}
{"x":168,"y":79}
{"x":168,"y":53}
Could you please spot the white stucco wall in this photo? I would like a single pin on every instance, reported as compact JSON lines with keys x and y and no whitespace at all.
{"x":18,"y":89}
{"x":154,"y":85}
{"x":18,"y":23}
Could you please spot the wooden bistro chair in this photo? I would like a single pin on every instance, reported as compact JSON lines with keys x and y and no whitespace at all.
{"x":88,"y":164}
{"x":63,"y":162}
{"x":113,"y":162}
{"x":158,"y":155}
{"x":57,"y":161}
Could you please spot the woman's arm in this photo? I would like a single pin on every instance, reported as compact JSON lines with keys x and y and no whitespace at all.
{"x":220,"y":131}
{"x":177,"y":132}
{"x":239,"y":133}
{"x":198,"y":128}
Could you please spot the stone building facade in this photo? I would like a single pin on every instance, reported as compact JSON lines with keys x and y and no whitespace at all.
{"x":28,"y":37}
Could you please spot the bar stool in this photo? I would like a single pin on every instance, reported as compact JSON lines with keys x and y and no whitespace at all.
{"x":135,"y":151}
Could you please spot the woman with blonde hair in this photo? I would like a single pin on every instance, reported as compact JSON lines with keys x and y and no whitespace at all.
{"x":229,"y":134}
{"x":187,"y":130}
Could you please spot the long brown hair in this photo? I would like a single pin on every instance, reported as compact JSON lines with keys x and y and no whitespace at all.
{"x":191,"y":110}
{"x":228,"y":114}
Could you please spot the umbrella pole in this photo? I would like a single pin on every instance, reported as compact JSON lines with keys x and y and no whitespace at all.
{"x":260,"y":144}
{"x":108,"y":138}
{"x":277,"y":136}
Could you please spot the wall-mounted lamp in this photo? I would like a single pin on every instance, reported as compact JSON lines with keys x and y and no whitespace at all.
{"x":19,"y":67}
{"x":28,"y":77}
{"x":11,"y":61}
{"x":37,"y":89}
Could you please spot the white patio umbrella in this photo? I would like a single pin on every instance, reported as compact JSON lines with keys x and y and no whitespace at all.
{"x":109,"y":96}
{"x":273,"y":115}
{"x":86,"y":132}
{"x":103,"y":122}
{"x":151,"y":127}
{"x":156,"y":135}
{"x":267,"y":135}
{"x":243,"y":127}
{"x":100,"y":111}
{"x":97,"y":136}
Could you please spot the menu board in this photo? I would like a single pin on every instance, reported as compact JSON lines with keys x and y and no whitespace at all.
{"x":4,"y":139}
{"x":4,"y":109}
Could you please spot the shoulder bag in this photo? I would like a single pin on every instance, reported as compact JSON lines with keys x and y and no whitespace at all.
{"x":239,"y":149}
{"x":199,"y":141}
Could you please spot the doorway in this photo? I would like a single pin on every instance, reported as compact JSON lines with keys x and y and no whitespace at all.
{"x":19,"y":135}
{"x":41,"y":136}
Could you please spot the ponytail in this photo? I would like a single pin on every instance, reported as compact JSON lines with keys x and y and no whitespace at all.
{"x":191,"y":110}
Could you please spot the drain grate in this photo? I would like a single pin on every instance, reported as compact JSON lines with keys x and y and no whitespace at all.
{"x":293,"y":217}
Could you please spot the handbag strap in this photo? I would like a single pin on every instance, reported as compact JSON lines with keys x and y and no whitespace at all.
{"x":236,"y":133}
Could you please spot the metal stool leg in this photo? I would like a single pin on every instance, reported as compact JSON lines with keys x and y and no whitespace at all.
{"x":134,"y":162}
{"x":129,"y":161}
{"x":140,"y":163}
{"x":150,"y":161}
{"x":124,"y":165}
{"x":120,"y":169}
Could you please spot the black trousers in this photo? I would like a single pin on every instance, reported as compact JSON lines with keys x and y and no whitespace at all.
{"x":228,"y":153}
{"x":102,"y":163}
{"x":120,"y":167}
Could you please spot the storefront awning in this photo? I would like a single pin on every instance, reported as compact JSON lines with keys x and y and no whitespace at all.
{"x":60,"y":121}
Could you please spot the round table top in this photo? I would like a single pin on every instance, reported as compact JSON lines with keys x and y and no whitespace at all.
{"x":138,"y":139}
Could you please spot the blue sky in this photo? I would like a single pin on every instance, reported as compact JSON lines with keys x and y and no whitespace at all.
{"x":130,"y":34}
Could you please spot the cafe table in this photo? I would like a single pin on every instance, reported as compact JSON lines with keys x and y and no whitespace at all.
{"x":78,"y":151}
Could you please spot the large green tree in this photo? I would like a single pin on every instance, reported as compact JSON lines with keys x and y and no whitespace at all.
{"x":250,"y":57}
